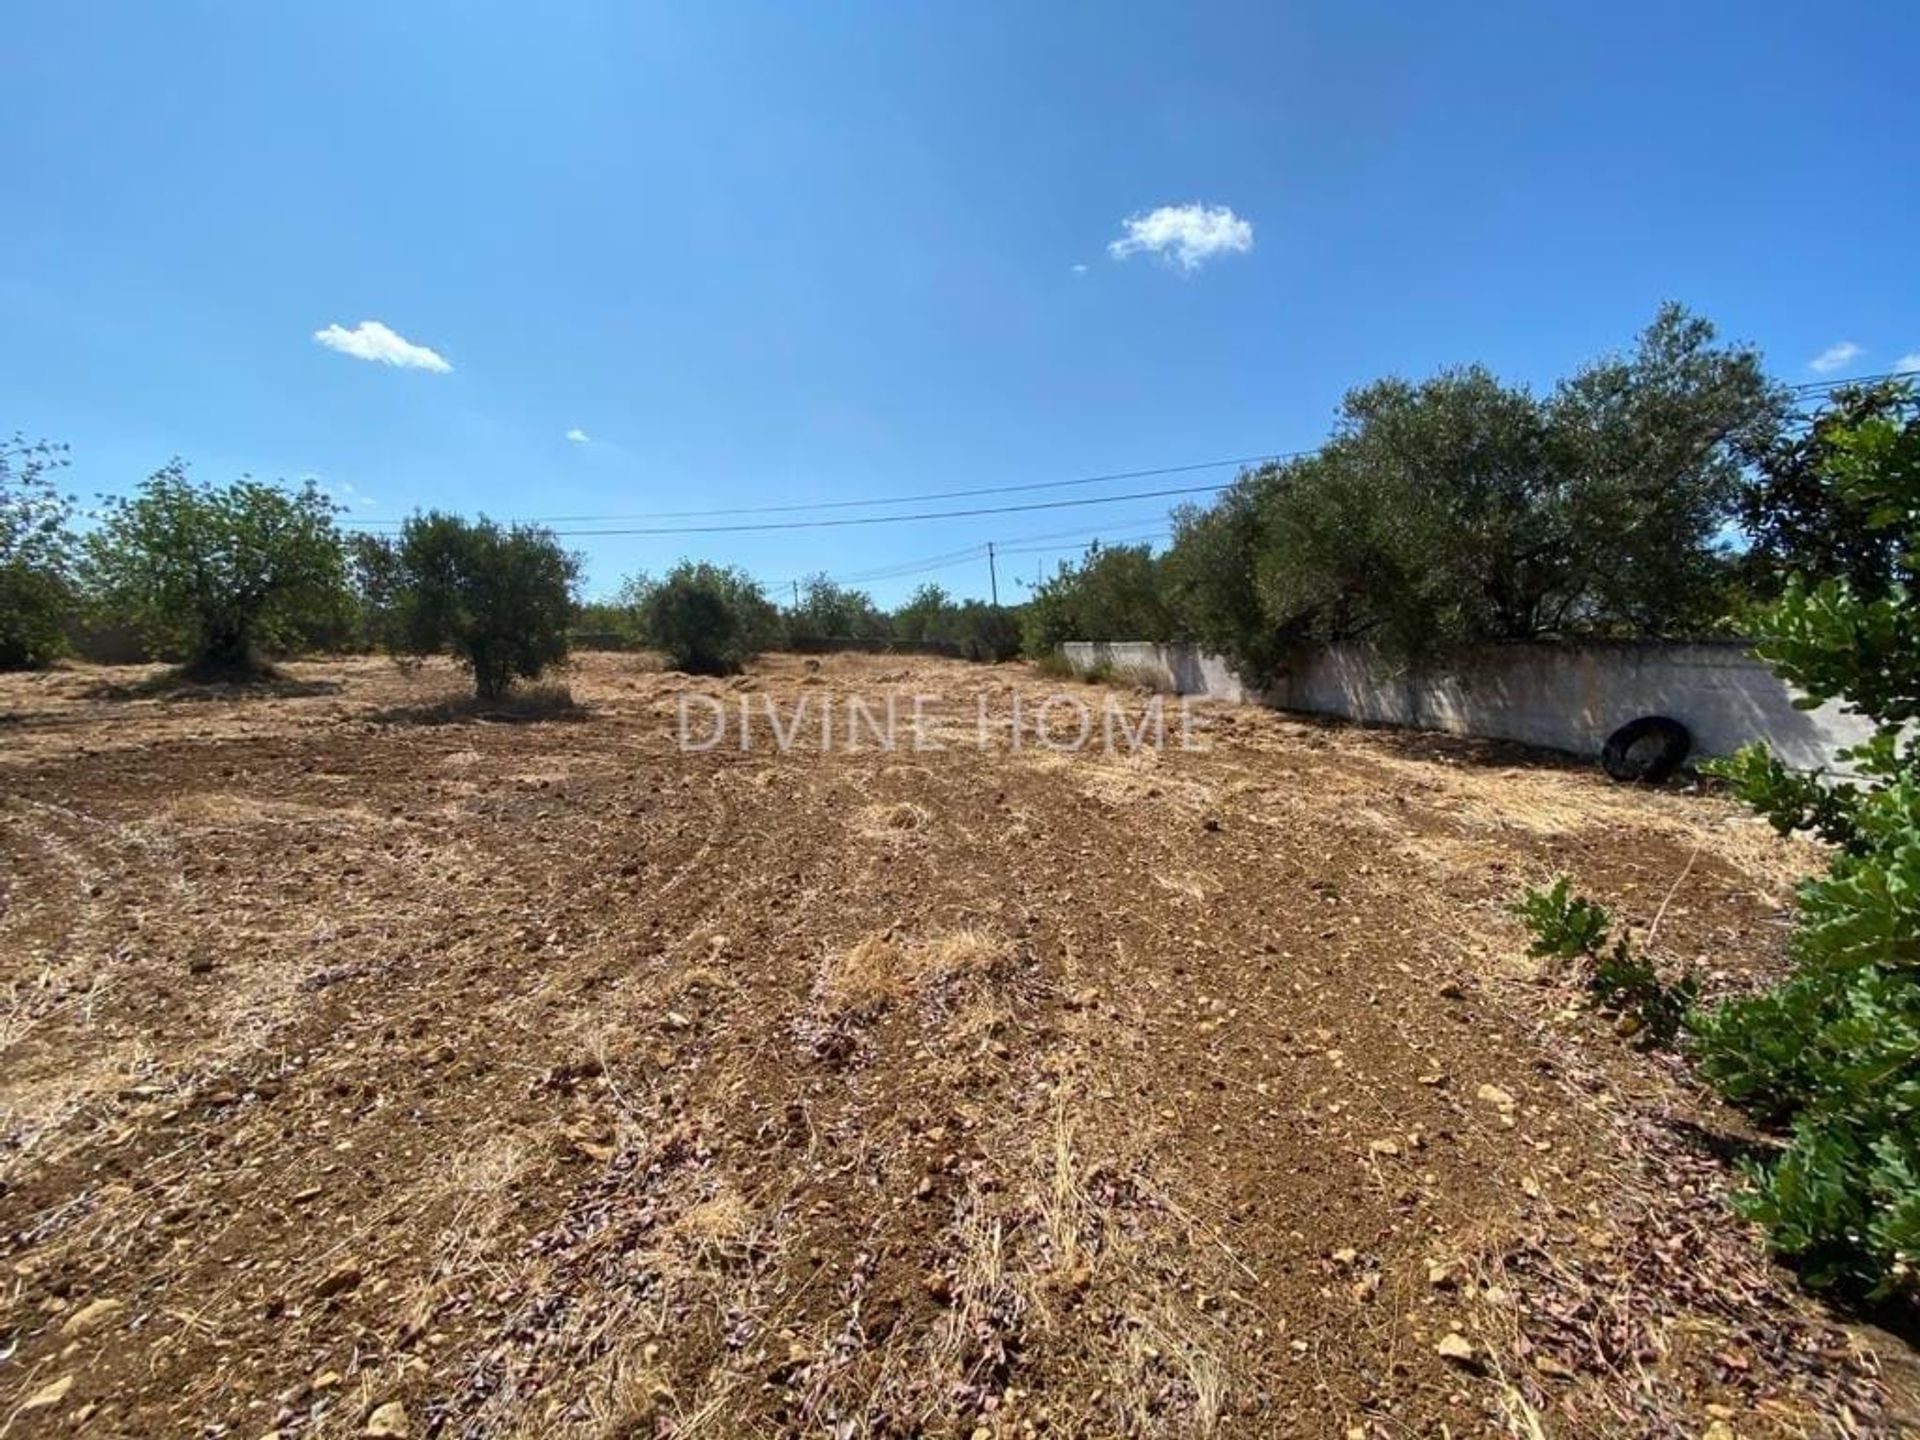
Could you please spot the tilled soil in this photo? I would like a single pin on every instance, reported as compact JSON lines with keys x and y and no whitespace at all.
{"x":372,"y":1065}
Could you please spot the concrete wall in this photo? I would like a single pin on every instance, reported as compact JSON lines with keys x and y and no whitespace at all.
{"x":1560,"y":697}
{"x":1178,"y":669}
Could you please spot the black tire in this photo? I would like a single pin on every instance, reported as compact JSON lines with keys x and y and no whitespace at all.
{"x":1648,"y":749}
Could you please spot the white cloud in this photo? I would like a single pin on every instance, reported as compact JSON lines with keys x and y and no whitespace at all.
{"x":370,"y":340}
{"x":1834,"y":356}
{"x":1079,"y":269}
{"x":1907,"y":363}
{"x":579,"y":436}
{"x":1184,"y":235}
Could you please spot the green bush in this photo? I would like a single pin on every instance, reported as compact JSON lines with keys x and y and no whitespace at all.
{"x":983,"y":632}
{"x":498,"y":599}
{"x":1832,"y":1054}
{"x":987,"y":633}
{"x":925,"y":616}
{"x":1798,"y":517}
{"x":607,"y":625}
{"x":216,"y":572}
{"x":829,"y":611}
{"x":708,"y":619}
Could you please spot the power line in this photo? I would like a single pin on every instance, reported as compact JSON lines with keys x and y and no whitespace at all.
{"x":1812,"y":385}
{"x":897,"y":519}
{"x":1118,"y":540}
{"x":920,"y":498}
{"x":973,"y":554}
{"x":1807,"y":388}
{"x":1018,"y":545}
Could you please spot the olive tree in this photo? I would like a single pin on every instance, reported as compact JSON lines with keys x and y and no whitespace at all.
{"x":499,"y":599}
{"x":1459,"y":511}
{"x":216,"y":572}
{"x":708,"y":619}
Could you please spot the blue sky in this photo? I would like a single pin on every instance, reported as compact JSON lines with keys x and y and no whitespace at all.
{"x":771,"y":254}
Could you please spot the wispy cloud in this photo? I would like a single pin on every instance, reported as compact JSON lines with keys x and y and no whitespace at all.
{"x":1078,"y":269}
{"x":579,"y":436}
{"x":1184,"y":235}
{"x":1834,"y":356}
{"x":1908,"y":363}
{"x":370,"y":340}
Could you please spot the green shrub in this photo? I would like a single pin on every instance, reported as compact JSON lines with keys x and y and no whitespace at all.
{"x":925,"y":616}
{"x":987,"y":633}
{"x":1564,"y":926}
{"x":707,"y":619}
{"x":1570,"y":927}
{"x":983,"y":632}
{"x":1832,"y":1054}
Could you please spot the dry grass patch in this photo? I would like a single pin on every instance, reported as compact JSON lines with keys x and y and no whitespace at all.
{"x":713,"y":1232}
{"x":896,"y":821}
{"x":884,"y":969}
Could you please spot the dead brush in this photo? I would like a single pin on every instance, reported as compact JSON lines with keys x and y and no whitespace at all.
{"x":479,"y":1184}
{"x":713,"y":1233}
{"x":968,"y":1354}
{"x":1167,"y":1377}
{"x":981,"y":1330}
{"x":1146,"y":679}
{"x":633,"y":1400}
{"x":881,"y":970}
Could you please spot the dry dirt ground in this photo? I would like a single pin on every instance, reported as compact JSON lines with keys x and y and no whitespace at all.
{"x":370,"y":1066}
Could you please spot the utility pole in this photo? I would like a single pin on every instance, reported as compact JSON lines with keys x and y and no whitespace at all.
{"x":993,"y":575}
{"x":796,"y":594}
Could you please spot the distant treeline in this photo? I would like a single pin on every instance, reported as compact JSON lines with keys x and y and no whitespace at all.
{"x":1652,"y":494}
{"x":712,"y":617}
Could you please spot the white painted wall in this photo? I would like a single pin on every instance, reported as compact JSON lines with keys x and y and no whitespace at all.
{"x":1561,"y":697}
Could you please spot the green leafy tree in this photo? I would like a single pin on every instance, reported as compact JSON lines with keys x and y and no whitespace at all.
{"x":36,"y":554}
{"x":1650,"y":451}
{"x":217,"y":572}
{"x":927,"y":615}
{"x":829,"y":611}
{"x":1832,"y":1054}
{"x":1112,"y":593}
{"x":374,"y":579}
{"x":499,"y":599}
{"x":1798,"y":517}
{"x":708,"y":619}
{"x":1459,"y":511}
{"x":1211,"y":578}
